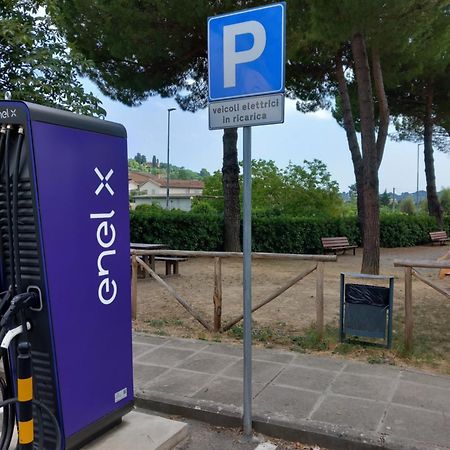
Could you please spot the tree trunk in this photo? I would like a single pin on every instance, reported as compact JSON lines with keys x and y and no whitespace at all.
{"x":434,"y":207}
{"x":371,"y":224}
{"x":231,"y":211}
{"x":359,"y":176}
{"x":353,"y":145}
{"x":383,"y":108}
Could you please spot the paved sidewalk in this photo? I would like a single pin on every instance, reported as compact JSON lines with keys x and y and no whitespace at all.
{"x":332,"y":402}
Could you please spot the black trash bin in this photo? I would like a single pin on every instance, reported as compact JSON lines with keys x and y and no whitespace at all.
{"x":366,"y":310}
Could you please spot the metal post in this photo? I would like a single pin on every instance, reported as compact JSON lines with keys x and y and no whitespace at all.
{"x":341,"y":319}
{"x":169,"y":110}
{"x":25,"y":397}
{"x":247,"y":278}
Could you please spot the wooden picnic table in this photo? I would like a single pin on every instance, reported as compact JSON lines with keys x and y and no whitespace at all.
{"x":138,"y":246}
{"x":149,"y":259}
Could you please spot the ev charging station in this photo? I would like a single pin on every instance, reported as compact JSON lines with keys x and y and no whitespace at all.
{"x":65,"y":272}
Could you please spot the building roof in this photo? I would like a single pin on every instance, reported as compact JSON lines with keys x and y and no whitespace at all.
{"x":141,"y":178}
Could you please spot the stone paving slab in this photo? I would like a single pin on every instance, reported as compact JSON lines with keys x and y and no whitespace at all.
{"x":312,"y":379}
{"x":426,"y":397}
{"x":141,"y":431}
{"x":357,"y":413}
{"x":226,"y":391}
{"x":411,"y":423}
{"x":208,"y":362}
{"x":285,"y":403}
{"x":363,"y":386}
{"x":332,"y":402}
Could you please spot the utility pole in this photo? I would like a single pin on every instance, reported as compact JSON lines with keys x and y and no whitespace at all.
{"x":169,"y":110}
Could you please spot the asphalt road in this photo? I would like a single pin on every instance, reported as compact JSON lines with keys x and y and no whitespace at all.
{"x":206,"y":437}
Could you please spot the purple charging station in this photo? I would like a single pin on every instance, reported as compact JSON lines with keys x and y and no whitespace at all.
{"x":74,"y":178}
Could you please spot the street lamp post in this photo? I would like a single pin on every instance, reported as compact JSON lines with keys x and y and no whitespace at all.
{"x":417,"y":185}
{"x":169,"y":110}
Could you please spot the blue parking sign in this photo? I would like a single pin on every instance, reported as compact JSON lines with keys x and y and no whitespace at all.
{"x":246,"y":52}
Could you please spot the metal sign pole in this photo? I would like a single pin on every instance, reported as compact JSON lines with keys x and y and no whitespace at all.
{"x":237,"y":98}
{"x":247,"y":279}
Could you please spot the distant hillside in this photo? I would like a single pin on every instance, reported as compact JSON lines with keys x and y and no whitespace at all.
{"x":156,"y":168}
{"x":346,"y":196}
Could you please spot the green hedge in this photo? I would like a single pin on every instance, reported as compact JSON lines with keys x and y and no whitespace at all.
{"x":399,"y":230}
{"x":299,"y":235}
{"x":277,"y":234}
{"x":178,"y":230}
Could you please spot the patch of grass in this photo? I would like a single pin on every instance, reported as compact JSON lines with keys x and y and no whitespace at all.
{"x":310,"y":339}
{"x":343,"y":348}
{"x":282,"y":335}
{"x":161,"y":333}
{"x":160,"y":323}
{"x":236,"y":332}
{"x":376,"y":359}
{"x":156,"y":323}
{"x":264,"y":335}
{"x":431,"y":338}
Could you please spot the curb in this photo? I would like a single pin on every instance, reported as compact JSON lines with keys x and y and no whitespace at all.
{"x":325,"y":435}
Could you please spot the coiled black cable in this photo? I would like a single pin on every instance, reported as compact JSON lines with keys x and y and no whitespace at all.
{"x":9,"y":410}
{"x":2,"y":142}
{"x":12,"y":401}
{"x":8,"y":210}
{"x":3,"y":389}
{"x":15,"y":224}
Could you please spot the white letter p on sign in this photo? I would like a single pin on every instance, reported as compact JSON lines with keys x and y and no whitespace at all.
{"x":231,"y":58}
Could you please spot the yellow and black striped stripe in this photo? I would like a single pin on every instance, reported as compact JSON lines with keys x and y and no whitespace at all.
{"x":25,"y":397}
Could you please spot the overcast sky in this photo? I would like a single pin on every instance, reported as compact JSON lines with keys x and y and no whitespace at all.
{"x":302,"y":136}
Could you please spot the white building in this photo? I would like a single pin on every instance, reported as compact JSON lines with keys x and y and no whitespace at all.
{"x":148,"y":188}
{"x":182,"y":202}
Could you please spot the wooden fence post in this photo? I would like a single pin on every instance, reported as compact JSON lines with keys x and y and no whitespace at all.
{"x":217,"y":294}
{"x":134,"y":274}
{"x":408,"y":309}
{"x":319,"y":299}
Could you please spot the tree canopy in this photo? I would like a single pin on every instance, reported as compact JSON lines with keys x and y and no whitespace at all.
{"x":421,"y":103}
{"x":305,"y":190}
{"x":34,"y":62}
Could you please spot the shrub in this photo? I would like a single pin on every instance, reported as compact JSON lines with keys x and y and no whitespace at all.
{"x":149,"y":207}
{"x":407,"y":206}
{"x":202,"y":207}
{"x":444,"y":198}
{"x":400,"y":230}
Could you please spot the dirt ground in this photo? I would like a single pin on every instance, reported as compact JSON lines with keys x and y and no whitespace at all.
{"x":294,"y":310}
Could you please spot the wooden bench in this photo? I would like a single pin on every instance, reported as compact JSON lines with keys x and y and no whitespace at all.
{"x":148,"y":259}
{"x":172,"y":263}
{"x":336,"y":244}
{"x":439,"y":237}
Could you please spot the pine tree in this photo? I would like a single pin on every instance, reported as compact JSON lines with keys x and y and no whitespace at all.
{"x":348,"y":49}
